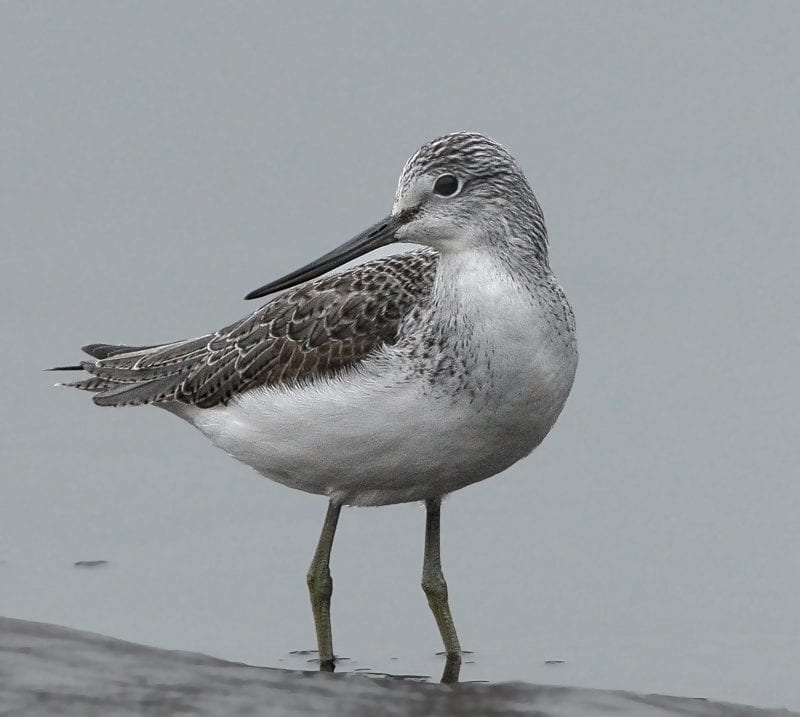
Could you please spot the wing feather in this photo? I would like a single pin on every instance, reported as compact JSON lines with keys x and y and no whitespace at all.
{"x":315,"y":330}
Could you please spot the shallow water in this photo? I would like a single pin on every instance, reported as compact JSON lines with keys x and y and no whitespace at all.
{"x":197,"y":571}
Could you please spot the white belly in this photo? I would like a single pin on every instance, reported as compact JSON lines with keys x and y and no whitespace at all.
{"x":368,"y":438}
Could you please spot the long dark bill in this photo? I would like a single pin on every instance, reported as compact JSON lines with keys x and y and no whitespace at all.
{"x":380,"y":234}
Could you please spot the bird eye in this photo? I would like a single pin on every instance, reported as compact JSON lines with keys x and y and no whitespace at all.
{"x":446,"y":185}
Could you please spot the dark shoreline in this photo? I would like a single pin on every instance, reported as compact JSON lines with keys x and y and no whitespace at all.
{"x":52,"y":670}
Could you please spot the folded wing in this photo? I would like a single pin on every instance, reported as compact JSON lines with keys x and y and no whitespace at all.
{"x":313,"y":331}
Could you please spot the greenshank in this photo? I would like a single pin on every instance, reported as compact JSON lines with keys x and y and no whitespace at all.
{"x":402,"y":379}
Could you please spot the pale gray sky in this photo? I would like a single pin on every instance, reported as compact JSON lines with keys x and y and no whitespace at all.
{"x":160,"y":160}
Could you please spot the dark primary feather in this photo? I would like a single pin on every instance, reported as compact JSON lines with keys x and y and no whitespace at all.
{"x":101,"y":351}
{"x":315,"y":330}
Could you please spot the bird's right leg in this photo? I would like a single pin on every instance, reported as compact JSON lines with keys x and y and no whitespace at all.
{"x":435,"y":588}
{"x":320,"y":587}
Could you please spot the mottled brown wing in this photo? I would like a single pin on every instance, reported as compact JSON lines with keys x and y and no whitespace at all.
{"x":315,"y":330}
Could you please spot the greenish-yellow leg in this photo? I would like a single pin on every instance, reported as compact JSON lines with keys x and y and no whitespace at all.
{"x":435,"y":588}
{"x":320,"y":587}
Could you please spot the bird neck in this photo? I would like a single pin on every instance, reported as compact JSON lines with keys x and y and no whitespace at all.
{"x":471,"y":277}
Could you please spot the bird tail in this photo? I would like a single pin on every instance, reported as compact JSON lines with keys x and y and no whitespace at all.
{"x":123,"y":375}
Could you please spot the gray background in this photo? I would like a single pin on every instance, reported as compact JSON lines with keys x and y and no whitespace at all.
{"x":158,"y":161}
